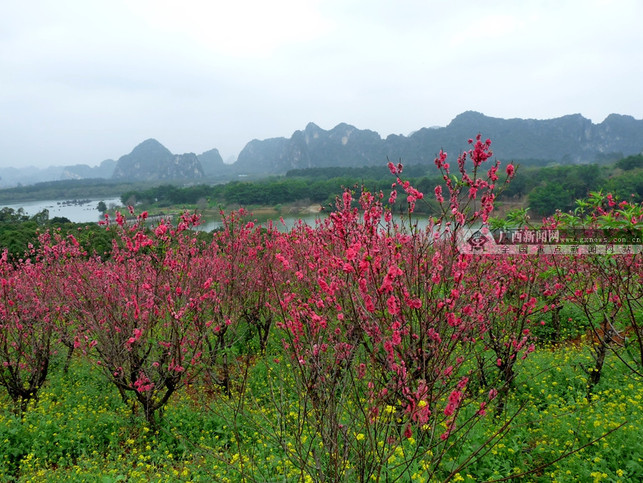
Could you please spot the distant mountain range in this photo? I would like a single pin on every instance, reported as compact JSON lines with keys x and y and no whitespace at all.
{"x":151,"y":161}
{"x":15,"y":176}
{"x":567,"y":139}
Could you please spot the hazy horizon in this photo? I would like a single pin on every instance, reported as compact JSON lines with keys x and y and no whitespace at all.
{"x":232,"y":158}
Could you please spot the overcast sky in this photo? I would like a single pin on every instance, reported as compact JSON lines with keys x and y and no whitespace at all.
{"x":86,"y":80}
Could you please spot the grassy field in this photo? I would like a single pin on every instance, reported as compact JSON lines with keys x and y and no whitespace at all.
{"x":80,"y":430}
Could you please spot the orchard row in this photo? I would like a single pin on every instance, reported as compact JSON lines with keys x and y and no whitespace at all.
{"x":388,"y":332}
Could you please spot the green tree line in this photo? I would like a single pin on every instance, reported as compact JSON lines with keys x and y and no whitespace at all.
{"x":273,"y":191}
{"x":543,"y":189}
{"x":552,"y":188}
{"x":19,"y":232}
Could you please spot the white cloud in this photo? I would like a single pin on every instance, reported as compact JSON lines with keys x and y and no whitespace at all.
{"x":246,"y":28}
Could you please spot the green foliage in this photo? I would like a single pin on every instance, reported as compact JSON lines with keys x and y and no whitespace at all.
{"x":81,"y":430}
{"x":167,"y":195}
{"x":19,"y":231}
{"x":9,"y":215}
{"x":318,"y":186}
{"x":628,"y":185}
{"x":604,"y":212}
{"x":366,"y":172}
{"x":548,"y":198}
{"x":557,"y":188}
{"x":514,"y":219}
{"x":630,"y":163}
{"x":561,"y":327}
{"x":101,"y":207}
{"x":548,"y":188}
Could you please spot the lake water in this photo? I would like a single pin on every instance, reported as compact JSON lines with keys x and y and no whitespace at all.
{"x":291,"y":221}
{"x":85,"y":212}
{"x":88,"y":213}
{"x":288,"y":222}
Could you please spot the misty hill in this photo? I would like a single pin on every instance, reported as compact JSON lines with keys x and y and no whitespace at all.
{"x":568,"y":139}
{"x":151,"y":161}
{"x":313,"y":147}
{"x":83,"y":171}
{"x":30,"y":175}
{"x":212,"y":163}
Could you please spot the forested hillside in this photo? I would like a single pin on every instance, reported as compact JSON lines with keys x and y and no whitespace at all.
{"x":542,"y":189}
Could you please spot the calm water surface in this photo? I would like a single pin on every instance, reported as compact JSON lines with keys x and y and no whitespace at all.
{"x":77,"y":213}
{"x":88,"y":213}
